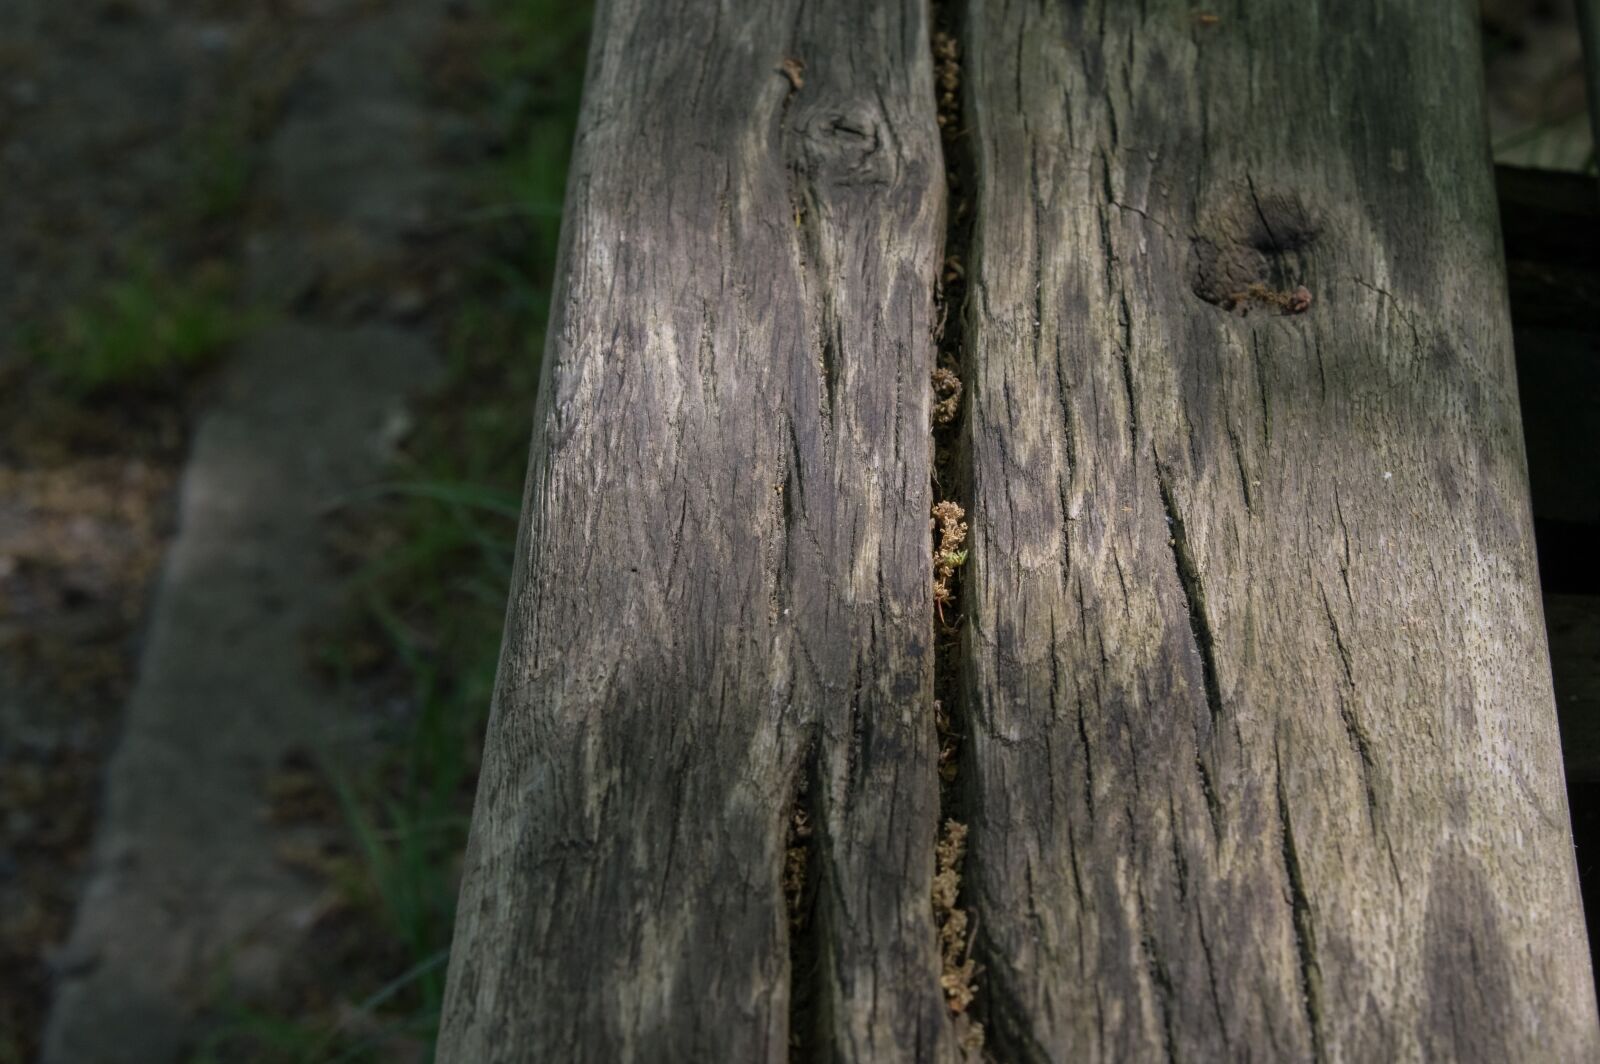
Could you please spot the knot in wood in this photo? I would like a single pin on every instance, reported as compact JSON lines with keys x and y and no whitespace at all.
{"x":1255,"y":250}
{"x":844,"y":145}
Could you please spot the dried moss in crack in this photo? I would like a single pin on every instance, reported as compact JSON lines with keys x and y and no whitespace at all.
{"x":1297,"y":301}
{"x":946,"y":396}
{"x":795,"y":864}
{"x":946,"y":78}
{"x":958,"y":977}
{"x":950,"y":554}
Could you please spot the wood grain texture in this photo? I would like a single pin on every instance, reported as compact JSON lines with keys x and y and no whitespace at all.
{"x":723,"y":569}
{"x":1261,"y":760}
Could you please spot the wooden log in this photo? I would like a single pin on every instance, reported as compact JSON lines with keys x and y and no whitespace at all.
{"x":1261,"y":761}
{"x":711,"y":747}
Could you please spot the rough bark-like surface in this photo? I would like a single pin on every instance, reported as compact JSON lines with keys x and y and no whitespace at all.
{"x":723,"y":582}
{"x":1261,"y":760}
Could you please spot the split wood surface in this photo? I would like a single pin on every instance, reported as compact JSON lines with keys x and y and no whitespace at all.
{"x":1258,"y":756}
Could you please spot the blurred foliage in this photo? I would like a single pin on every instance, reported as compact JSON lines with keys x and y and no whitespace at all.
{"x":143,"y":330}
{"x":428,"y":555}
{"x":1533,"y":61}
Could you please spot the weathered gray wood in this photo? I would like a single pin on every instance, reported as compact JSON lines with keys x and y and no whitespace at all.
{"x":1261,"y":759}
{"x":724,"y":562}
{"x":1258,"y":752}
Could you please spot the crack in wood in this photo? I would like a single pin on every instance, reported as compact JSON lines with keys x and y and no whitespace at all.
{"x":1211,"y":975}
{"x":1305,"y":940}
{"x":1160,"y":978}
{"x":800,"y":878}
{"x":1258,"y":360}
{"x":1357,"y":734}
{"x":966,"y":995}
{"x":1359,"y":739}
{"x":1237,"y":445}
{"x":1194,"y":596}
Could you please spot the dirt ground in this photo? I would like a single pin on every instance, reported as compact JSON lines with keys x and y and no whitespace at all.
{"x":139,"y":155}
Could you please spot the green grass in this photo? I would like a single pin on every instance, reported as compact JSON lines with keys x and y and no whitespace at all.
{"x":220,"y":160}
{"x":145,"y":329}
{"x":432,"y":546}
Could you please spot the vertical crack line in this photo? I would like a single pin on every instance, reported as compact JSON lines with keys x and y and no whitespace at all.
{"x":1360,"y":741}
{"x":785,"y":522}
{"x":800,"y":877}
{"x":1213,"y":803}
{"x":1160,"y":979}
{"x":954,"y":921}
{"x":828,"y":356}
{"x":1259,"y":359}
{"x":788,"y":138}
{"x":1357,"y":734}
{"x":1255,"y":199}
{"x":1344,"y":530}
{"x":808,"y":244}
{"x":1211,"y":975}
{"x":1088,"y":759}
{"x":1193,"y":593}
{"x":1338,"y":640}
{"x":1158,"y":976}
{"x":1194,"y":597}
{"x":1305,"y":939}
{"x":1238,"y":463}
{"x":1125,"y":320}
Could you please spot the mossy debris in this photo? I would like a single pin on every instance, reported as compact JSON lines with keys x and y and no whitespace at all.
{"x":958,"y":977}
{"x":950,"y":554}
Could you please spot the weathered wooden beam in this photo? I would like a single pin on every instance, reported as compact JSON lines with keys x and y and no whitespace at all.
{"x":1256,"y":750}
{"x":720,"y":617}
{"x":1261,"y":759}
